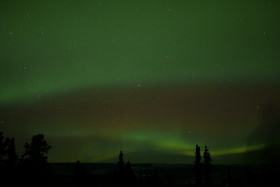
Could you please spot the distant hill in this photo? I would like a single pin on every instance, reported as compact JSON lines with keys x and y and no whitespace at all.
{"x":152,"y":156}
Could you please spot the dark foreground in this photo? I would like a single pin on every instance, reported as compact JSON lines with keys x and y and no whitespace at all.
{"x":142,"y":175}
{"x":162,"y":175}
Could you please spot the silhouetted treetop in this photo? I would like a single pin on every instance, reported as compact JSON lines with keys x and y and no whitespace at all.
{"x":7,"y":150}
{"x":198,"y":167}
{"x":197,"y":155}
{"x":206,"y":155}
{"x":121,"y":162}
{"x":38,"y":149}
{"x":11,"y":153}
{"x":3,"y":147}
{"x":207,"y":169}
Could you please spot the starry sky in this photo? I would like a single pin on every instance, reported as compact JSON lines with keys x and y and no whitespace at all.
{"x":150,"y":78}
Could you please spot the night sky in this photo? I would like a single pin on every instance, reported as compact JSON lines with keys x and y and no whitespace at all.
{"x":150,"y":78}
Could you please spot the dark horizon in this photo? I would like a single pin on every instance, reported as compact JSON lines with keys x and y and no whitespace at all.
{"x":33,"y":169}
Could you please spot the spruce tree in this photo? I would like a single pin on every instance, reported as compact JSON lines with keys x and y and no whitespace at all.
{"x":121,"y":162}
{"x":120,"y":172}
{"x":11,"y":154}
{"x":198,"y":167}
{"x":37,"y":150}
{"x":33,"y":163}
{"x":4,"y":143}
{"x":207,"y":169}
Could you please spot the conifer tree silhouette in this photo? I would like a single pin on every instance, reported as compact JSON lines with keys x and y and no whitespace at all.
{"x":120,"y":177}
{"x":121,"y":162}
{"x":82,"y":176}
{"x":129,"y":175}
{"x":11,"y":154}
{"x":33,"y":162}
{"x":207,"y":169}
{"x":38,"y":149}
{"x":8,"y":160}
{"x":78,"y":170}
{"x":125,"y":176}
{"x":4,"y":143}
{"x":128,"y":169}
{"x":198,"y":167}
{"x":4,"y":169}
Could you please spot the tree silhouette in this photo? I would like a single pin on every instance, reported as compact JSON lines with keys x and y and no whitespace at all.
{"x":11,"y":154}
{"x":128,"y":169}
{"x":207,"y":169}
{"x":82,"y":175}
{"x":38,"y":149}
{"x":129,"y":175}
{"x":124,"y":176}
{"x":33,"y":162}
{"x":78,"y":168}
{"x":198,"y":167}
{"x":121,"y":162}
{"x":8,"y":159}
{"x":4,"y":143}
{"x":120,"y":177}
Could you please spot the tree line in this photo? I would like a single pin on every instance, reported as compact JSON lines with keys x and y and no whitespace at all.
{"x":202,"y":170}
{"x":32,"y":168}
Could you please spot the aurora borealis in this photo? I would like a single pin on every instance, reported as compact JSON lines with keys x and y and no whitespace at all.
{"x":144,"y":77}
